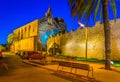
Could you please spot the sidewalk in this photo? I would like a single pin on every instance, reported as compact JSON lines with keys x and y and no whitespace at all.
{"x":100,"y":73}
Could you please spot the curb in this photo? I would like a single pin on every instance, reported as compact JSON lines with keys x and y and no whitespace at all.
{"x":30,"y":63}
{"x":36,"y":65}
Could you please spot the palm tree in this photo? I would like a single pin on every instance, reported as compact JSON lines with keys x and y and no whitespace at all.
{"x":83,"y":9}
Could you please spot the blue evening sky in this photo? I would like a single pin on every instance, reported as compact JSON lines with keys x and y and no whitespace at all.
{"x":16,"y":13}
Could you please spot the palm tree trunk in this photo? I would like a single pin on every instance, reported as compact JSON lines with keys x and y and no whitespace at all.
{"x":107,"y":30}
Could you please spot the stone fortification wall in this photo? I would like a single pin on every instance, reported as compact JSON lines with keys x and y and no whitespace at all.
{"x":73,"y":43}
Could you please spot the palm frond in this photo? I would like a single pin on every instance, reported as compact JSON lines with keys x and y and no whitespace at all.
{"x":96,"y":10}
{"x":71,"y":2}
{"x":101,"y":15}
{"x":84,"y":8}
{"x":113,"y":6}
{"x":90,"y":10}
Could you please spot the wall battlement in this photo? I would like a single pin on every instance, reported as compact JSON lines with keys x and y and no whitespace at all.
{"x":73,"y":43}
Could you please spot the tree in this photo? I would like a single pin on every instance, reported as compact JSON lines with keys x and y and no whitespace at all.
{"x":83,"y":9}
{"x":12,"y":37}
{"x":2,"y":47}
{"x":7,"y":46}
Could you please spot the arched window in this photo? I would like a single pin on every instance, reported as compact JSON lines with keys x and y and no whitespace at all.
{"x":33,"y":29}
{"x":18,"y":34}
{"x":29,"y":29}
{"x":25,"y":32}
{"x":21,"y":33}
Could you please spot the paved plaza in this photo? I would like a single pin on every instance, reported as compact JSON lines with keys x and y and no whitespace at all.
{"x":100,"y":74}
{"x":22,"y":66}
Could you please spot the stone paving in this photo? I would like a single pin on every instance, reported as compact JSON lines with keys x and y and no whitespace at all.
{"x":100,"y":74}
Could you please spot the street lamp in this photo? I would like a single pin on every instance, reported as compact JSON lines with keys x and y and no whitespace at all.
{"x":53,"y":34}
{"x":86,"y":41}
{"x":86,"y":38}
{"x":54,"y":46}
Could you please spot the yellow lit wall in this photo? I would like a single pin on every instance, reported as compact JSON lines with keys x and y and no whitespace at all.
{"x":73,"y":43}
{"x":27,"y":35}
{"x":51,"y":41}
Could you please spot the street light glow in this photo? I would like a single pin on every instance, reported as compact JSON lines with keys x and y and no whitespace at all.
{"x":81,"y":25}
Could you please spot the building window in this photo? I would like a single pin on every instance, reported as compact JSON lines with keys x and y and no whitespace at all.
{"x":33,"y":29}
{"x":18,"y":34}
{"x":29,"y":29}
{"x":25,"y":32}
{"x":22,"y":34}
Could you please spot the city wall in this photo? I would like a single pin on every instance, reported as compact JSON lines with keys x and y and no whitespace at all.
{"x":74,"y":42}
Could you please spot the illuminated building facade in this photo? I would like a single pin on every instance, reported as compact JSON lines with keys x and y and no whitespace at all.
{"x":34,"y":35}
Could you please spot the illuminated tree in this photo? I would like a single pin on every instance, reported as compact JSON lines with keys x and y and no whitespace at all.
{"x":12,"y":37}
{"x":2,"y":47}
{"x":83,"y":9}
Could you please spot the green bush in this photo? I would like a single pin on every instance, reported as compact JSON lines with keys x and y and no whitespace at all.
{"x":80,"y":58}
{"x":92,"y":59}
{"x":116,"y":63}
{"x":62,"y":56}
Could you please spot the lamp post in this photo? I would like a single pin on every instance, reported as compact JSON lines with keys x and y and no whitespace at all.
{"x":53,"y":34}
{"x":86,"y":42}
{"x":54,"y":45}
{"x":86,"y":38}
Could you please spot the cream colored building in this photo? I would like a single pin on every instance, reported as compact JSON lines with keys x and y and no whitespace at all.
{"x":29,"y":34}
